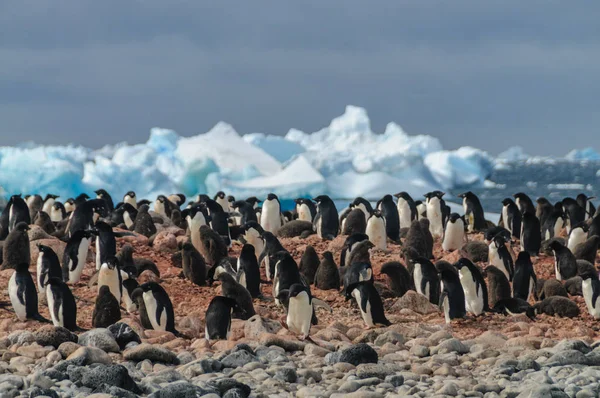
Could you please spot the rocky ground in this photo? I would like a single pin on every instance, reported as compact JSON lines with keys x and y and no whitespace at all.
{"x":419,"y":355}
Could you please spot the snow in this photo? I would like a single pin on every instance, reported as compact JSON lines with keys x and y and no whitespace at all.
{"x":344,"y":159}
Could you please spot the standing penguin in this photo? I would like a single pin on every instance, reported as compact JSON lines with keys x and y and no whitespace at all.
{"x":75,"y":255}
{"x":106,"y":310}
{"x":369,"y":302}
{"x":363,"y":205}
{"x":354,"y":223}
{"x":435,"y":212}
{"x":525,"y":280}
{"x":474,"y":214}
{"x":500,"y":257}
{"x":590,"y":286}
{"x":389,"y":211}
{"x":248,"y":271}
{"x":421,"y":209}
{"x":285,"y":273}
{"x":129,"y":286}
{"x":221,"y":199}
{"x":452,"y":300}
{"x":524,"y":203}
{"x":588,"y":249}
{"x":575,"y":213}
{"x":232,"y":289}
{"x":348,"y":245}
{"x":58,"y":212}
{"x":159,"y":308}
{"x":129,"y":215}
{"x":110,"y":275}
{"x":498,"y":285}
{"x":144,"y":224}
{"x":16,"y":247}
{"x":565,"y":263}
{"x":531,"y":235}
{"x":407,"y":210}
{"x":399,"y":279}
{"x":270,"y":216}
{"x":85,"y":215}
{"x":196,"y":217}
{"x":61,"y":304}
{"x":300,"y":308}
{"x":246,"y":212}
{"x":219,"y":220}
{"x":131,"y":199}
{"x":23,"y":295}
{"x":218,"y":318}
{"x":554,"y":223}
{"x":70,"y":205}
{"x":106,"y":244}
{"x":43,"y":221}
{"x":474,"y":287}
{"x":578,"y":235}
{"x":326,"y":223}
{"x":306,"y":209}
{"x":163,"y":206}
{"x":586,"y":203}
{"x":105,"y":196}
{"x":327,"y":276}
{"x":48,"y":266}
{"x":454,"y":233}
{"x":35,"y":204}
{"x":511,"y":217}
{"x":252,"y":234}
{"x":309,"y":264}
{"x":49,"y":201}
{"x":272,"y":246}
{"x":18,"y":212}
{"x":543,"y":211}
{"x":427,"y":281}
{"x":376,"y":230}
{"x":193,"y":264}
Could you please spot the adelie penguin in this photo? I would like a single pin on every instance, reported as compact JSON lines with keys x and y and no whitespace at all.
{"x":106,"y":309}
{"x":193,"y":264}
{"x":514,"y":306}
{"x":578,"y":235}
{"x":327,"y":276}
{"x":454,"y":233}
{"x":306,"y":210}
{"x":309,"y":264}
{"x":531,"y":235}
{"x":131,"y":199}
{"x":452,"y":300}
{"x":212,"y":246}
{"x":498,"y":285}
{"x":435,"y":212}
{"x":588,"y":249}
{"x":218,"y":318}
{"x":590,"y":286}
{"x":565,"y":263}
{"x":407,"y":210}
{"x":426,"y":279}
{"x":354,"y":223}
{"x":474,"y":287}
{"x":58,"y":212}
{"x":43,"y":221}
{"x":272,"y":246}
{"x":163,"y":206}
{"x":524,"y":203}
{"x":221,"y":199}
{"x":219,"y":221}
{"x":252,"y":234}
{"x":16,"y":247}
{"x":348,"y":245}
{"x":248,"y":271}
{"x":48,"y":266}
{"x":144,"y":224}
{"x":326,"y":223}
{"x":19,"y":212}
{"x":586,"y":203}
{"x":421,"y":209}
{"x":23,"y":295}
{"x":400,"y":280}
{"x":49,"y":201}
{"x":85,"y":215}
{"x":110,"y":275}
{"x":376,"y":230}
{"x":231,"y":288}
{"x":270,"y":216}
{"x":525,"y":280}
{"x":511,"y":217}
{"x":575,"y":213}
{"x":554,"y":222}
{"x":61,"y":304}
{"x":286,"y":273}
{"x":105,"y":196}
{"x":363,"y":205}
{"x":129,"y":286}
{"x":474,"y":214}
{"x":300,"y":309}
{"x":75,"y":256}
{"x":543,"y":211}
{"x":129,"y":215}
{"x":106,"y":244}
{"x":369,"y":302}
{"x":389,"y":211}
{"x":195,"y":217}
{"x":245,"y":212}
{"x":500,"y":257}
{"x":159,"y":308}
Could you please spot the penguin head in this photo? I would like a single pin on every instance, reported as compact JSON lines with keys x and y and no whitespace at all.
{"x":454,"y":217}
{"x":143,"y":208}
{"x":219,"y":195}
{"x":230,"y":198}
{"x":556,"y":245}
{"x":161,"y":198}
{"x":22,"y":227}
{"x":112,"y":263}
{"x":434,"y":194}
{"x":272,"y":196}
{"x":376,"y":214}
{"x":70,"y":201}
{"x":212,"y":206}
{"x":179,"y":198}
{"x":542,"y":201}
{"x":296,"y":289}
{"x":587,"y":270}
{"x":101,"y":193}
{"x":403,"y":195}
{"x":321,"y":199}
{"x":254,"y":201}
{"x":51,"y":196}
{"x":58,"y":206}
{"x":499,"y":240}
{"x":43,"y":249}
{"x":328,"y":256}
{"x":104,"y":290}
{"x":131,"y":194}
{"x":466,"y":195}
{"x":82,"y":197}
{"x":464,"y":263}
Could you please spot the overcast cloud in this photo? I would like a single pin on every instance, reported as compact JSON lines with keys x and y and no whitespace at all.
{"x":490,"y":74}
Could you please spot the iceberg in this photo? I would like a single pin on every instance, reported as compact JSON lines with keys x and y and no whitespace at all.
{"x":461,"y":168}
{"x":586,"y":154}
{"x":513,"y":154}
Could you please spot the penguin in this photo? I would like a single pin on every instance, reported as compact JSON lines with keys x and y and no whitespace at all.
{"x":525,"y":280}
{"x":565,"y":263}
{"x":159,"y":308}
{"x":595,"y":225}
{"x":18,"y":212}
{"x":575,"y":213}
{"x":531,"y":235}
{"x":363,"y":205}
{"x":342,"y":219}
{"x":106,"y":244}
{"x":248,"y":271}
{"x":524,"y":203}
{"x":407,"y":210}
{"x":543,"y":211}
{"x":270,"y":216}
{"x":48,"y":266}
{"x":476,"y":251}
{"x":354,"y":223}
{"x":196,"y":217}
{"x":573,"y":286}
{"x":35,"y":204}
{"x":500,"y":257}
{"x":224,"y":266}
{"x":105,"y":196}
{"x":246,"y":212}
{"x":144,"y":224}
{"x":348,"y":245}
{"x":178,"y":199}
{"x":212,"y":246}
{"x":326,"y":223}
{"x":129,"y":215}
{"x":309,"y":264}
{"x":272,"y":246}
{"x":177,"y":219}
{"x":252,"y":234}
{"x":43,"y":221}
{"x":296,"y":228}
{"x":590,"y":287}
{"x":421,"y":209}
{"x":49,"y":201}
{"x":389,"y":211}
{"x":61,"y":304}
{"x":106,"y":309}
{"x":163,"y":206}
{"x":254,"y":201}
{"x":110,"y":275}
{"x":557,"y":306}
{"x":70,"y":205}
{"x":131,"y":199}
{"x":85,"y":215}
{"x":490,"y":233}
{"x":435,"y":208}
{"x":554,"y":223}
{"x":586,"y":203}
{"x":286,"y":273}
{"x":306,"y":209}
{"x":399,"y":279}
{"x":498,"y":285}
{"x":578,"y":235}
{"x":232,"y":289}
{"x":474,"y":215}
{"x":16,"y":247}
{"x":218,"y":318}
{"x":129,"y":286}
{"x":194,"y":267}
{"x":454,"y":233}
{"x":514,"y":306}
{"x":511,"y":217}
{"x":23,"y":295}
{"x":474,"y":287}
{"x":452,"y":299}
{"x":369,"y":302}
{"x":551,"y":288}
{"x":219,"y":220}
{"x":75,"y":256}
{"x":376,"y":230}
{"x":300,"y":309}
{"x":588,"y":249}
{"x":327,"y":276}
{"x":417,"y":238}
{"x":427,"y":281}
{"x":58,"y":212}
{"x":361,"y":252}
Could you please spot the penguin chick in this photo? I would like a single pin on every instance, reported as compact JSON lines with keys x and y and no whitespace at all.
{"x":327,"y":276}
{"x":588,"y":249}
{"x":194,"y":267}
{"x":354,"y":223}
{"x":498,"y":285}
{"x":399,"y":279}
{"x":232,"y":289}
{"x":16,"y":250}
{"x":218,"y":318}
{"x":144,"y":223}
{"x":106,"y":310}
{"x":309,"y":264}
{"x":557,"y":306}
{"x":212,"y":247}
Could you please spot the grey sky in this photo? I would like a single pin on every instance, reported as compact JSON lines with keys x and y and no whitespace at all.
{"x":490,"y":74}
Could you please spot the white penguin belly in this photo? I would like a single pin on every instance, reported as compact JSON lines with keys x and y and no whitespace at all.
{"x":41,"y":281}
{"x":505,"y":219}
{"x":576,"y":237}
{"x":299,"y":314}
{"x":47,"y":208}
{"x":473,"y":294}
{"x":376,"y":232}
{"x":434,"y":215}
{"x":110,"y":278}
{"x":55,"y":215}
{"x":127,"y":219}
{"x":454,"y":236}
{"x":367,"y":316}
{"x":557,"y":270}
{"x":98,"y":261}
{"x":558,"y":226}
{"x":588,"y":293}
{"x":57,"y":319}
{"x":130,"y":306}
{"x":418,"y":276}
{"x":270,"y":218}
{"x":304,"y":213}
{"x":404,"y":213}
{"x":446,"y":306}
{"x":130,"y":200}
{"x":159,"y":208}
{"x":82,"y":252}
{"x":151,"y":306}
{"x":20,"y":309}
{"x":320,"y":228}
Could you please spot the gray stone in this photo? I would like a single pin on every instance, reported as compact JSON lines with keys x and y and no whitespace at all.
{"x":100,"y":338}
{"x":238,"y":359}
{"x":21,"y":337}
{"x":450,"y":345}
{"x":355,"y":355}
{"x":287,"y":375}
{"x":349,"y":386}
{"x":567,"y":357}
{"x":391,"y":337}
{"x":114,"y":375}
{"x":13,"y":380}
{"x":53,"y":335}
{"x":419,"y":351}
{"x":151,"y":352}
{"x":181,"y":389}
{"x":380,"y":371}
{"x":395,"y":380}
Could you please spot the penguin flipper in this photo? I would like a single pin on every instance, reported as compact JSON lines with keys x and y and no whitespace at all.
{"x":320,"y":303}
{"x":120,"y":234}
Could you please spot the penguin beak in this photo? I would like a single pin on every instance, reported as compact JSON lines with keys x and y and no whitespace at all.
{"x":591,"y":197}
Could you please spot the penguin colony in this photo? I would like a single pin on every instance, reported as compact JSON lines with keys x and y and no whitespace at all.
{"x":486,"y":278}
